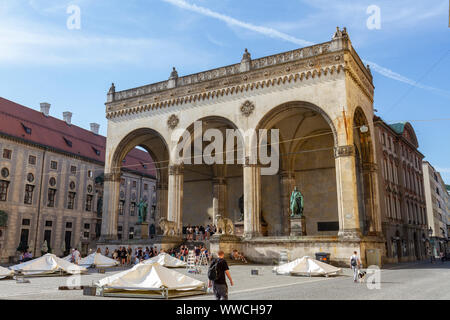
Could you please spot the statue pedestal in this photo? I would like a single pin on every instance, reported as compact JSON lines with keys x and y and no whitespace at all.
{"x":144,"y":230}
{"x":298,"y":226}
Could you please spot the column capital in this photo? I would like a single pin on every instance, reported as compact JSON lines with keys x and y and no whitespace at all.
{"x":112,"y":176}
{"x":176,"y":169}
{"x":344,"y":151}
{"x":220,"y":181}
{"x":370,"y":167}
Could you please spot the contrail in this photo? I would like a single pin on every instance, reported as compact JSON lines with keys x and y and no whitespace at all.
{"x":270,"y":32}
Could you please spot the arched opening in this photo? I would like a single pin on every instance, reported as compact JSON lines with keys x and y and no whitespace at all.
{"x":307,"y":138}
{"x":138,"y":185}
{"x":365,"y":169}
{"x":212,"y":187}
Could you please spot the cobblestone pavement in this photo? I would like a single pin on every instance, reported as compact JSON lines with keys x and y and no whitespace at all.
{"x":405,"y":281}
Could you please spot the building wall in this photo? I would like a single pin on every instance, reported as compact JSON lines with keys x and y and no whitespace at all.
{"x":79,"y":222}
{"x":436,"y":206}
{"x":402,"y":198}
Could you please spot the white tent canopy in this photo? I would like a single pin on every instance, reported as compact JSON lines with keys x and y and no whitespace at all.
{"x":4,"y":273}
{"x":147,"y":277}
{"x":98,"y":260}
{"x":166,"y":260}
{"x":307,"y":266}
{"x":48,"y":264}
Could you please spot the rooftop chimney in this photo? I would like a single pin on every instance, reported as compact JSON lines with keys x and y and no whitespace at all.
{"x":67,"y":116}
{"x":95,"y":127}
{"x":45,"y":108}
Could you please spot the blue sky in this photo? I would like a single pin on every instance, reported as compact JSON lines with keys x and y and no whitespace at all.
{"x":136,"y":42}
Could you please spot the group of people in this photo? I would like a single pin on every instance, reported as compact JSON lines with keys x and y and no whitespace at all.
{"x":238,"y":256}
{"x":25,"y":256}
{"x":199,"y":233}
{"x":126,"y":256}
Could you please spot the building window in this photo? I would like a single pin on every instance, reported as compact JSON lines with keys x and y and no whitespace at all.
{"x":122,"y":182}
{"x":145,"y":186}
{"x":73,"y":169}
{"x":48,"y":223}
{"x":4,"y":190}
{"x":87,"y":226}
{"x":86,"y":235}
{"x":51,"y":197}
{"x":90,"y":174}
{"x":134,"y":184}
{"x":68,"y":225}
{"x":7,"y":154}
{"x":71,"y":200}
{"x":32,"y":160}
{"x":132,"y":208}
{"x":28,"y":194}
{"x":53,"y":165}
{"x":121,"y":206}
{"x":89,"y":188}
{"x":89,"y":202}
{"x":52,"y":182}
{"x":5,"y":173}
{"x":30,"y":177}
{"x":72,"y":185}
{"x":131,"y":233}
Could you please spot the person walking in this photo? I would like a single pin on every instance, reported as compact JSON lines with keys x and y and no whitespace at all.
{"x":355,"y":265}
{"x":76,"y":256}
{"x":216,"y":277}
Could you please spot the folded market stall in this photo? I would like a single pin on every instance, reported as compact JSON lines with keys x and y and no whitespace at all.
{"x":97,"y":260}
{"x":47,"y":265}
{"x":166,"y":260}
{"x":307,"y":266}
{"x":150,"y":281}
{"x":5,"y":273}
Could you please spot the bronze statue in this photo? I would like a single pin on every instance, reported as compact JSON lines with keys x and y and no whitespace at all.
{"x":142,"y":207}
{"x":296,"y":203}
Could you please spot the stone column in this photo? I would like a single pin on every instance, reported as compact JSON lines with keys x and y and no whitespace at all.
{"x":175,"y":196}
{"x":252,"y":200}
{"x":161,"y":202}
{"x":349,"y":227}
{"x":110,"y":206}
{"x":220,"y":197}
{"x":287,"y":185}
{"x":371,"y":201}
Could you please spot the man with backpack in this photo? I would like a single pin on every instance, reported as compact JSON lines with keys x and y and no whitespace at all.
{"x":216,"y":275}
{"x":355,"y":264}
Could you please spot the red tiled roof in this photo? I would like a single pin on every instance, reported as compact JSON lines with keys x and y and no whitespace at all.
{"x":16,"y":120}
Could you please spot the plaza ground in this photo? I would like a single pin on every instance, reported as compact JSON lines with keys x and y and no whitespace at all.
{"x":421,"y":280}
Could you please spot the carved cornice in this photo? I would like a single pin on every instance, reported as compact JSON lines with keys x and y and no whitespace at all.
{"x":316,"y":62}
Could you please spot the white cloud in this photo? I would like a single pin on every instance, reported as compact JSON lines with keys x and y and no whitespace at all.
{"x":273,"y":33}
{"x":270,"y":32}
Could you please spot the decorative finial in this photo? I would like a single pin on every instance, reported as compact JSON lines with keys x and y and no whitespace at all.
{"x":112,"y":89}
{"x":173,"y":74}
{"x":246,"y":56}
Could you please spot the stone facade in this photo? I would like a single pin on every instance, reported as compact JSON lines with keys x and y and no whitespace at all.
{"x":48,"y":194}
{"x":316,"y":96}
{"x":402,"y":194}
{"x":436,"y":208}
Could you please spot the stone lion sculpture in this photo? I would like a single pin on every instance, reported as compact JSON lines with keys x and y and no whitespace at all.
{"x":169,"y":228}
{"x":224,"y":225}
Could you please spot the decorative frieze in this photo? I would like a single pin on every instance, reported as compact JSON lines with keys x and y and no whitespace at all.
{"x":344,"y":151}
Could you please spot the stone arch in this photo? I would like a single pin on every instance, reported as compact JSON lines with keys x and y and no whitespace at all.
{"x":154,"y":143}
{"x":306,"y":131}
